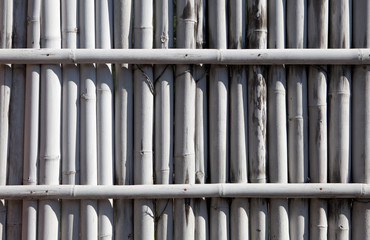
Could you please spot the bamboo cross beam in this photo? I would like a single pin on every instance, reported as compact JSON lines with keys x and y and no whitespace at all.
{"x":356,"y":56}
{"x":224,"y":190}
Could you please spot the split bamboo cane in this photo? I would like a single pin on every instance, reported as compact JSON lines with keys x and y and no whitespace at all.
{"x":257,"y":117}
{"x":31,"y":125}
{"x":339,"y":119}
{"x":143,"y":120}
{"x":318,"y":23}
{"x":218,"y":127}
{"x":70,"y":121}
{"x":163,"y":144}
{"x":277,"y":132}
{"x":123,"y":119}
{"x":88,"y":138}
{"x":361,"y":120}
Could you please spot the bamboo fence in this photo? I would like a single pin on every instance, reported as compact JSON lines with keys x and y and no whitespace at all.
{"x":186,"y":119}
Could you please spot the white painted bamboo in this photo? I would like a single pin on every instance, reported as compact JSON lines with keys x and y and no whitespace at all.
{"x":201,"y":126}
{"x":6,"y":23}
{"x":104,"y":89}
{"x":162,"y":191}
{"x":339,"y":119}
{"x":361,"y":120}
{"x":239,"y":208}
{"x":218,"y":127}
{"x":257,"y":117}
{"x":143,"y":120}
{"x":297,"y":119}
{"x":5,"y":88}
{"x":50,"y":116}
{"x":6,"y":27}
{"x":201,"y":132}
{"x":70,"y":121}
{"x":31,"y":124}
{"x":277,"y":132}
{"x":163,"y":147}
{"x":318,"y":23}
{"x":88,"y":138}
{"x":184,"y":143}
{"x":356,"y":56}
{"x":200,"y":75}
{"x":14,"y":216}
{"x":123,"y":119}
{"x":50,"y":120}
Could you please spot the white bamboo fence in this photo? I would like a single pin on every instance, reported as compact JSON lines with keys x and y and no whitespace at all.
{"x":185,"y":119}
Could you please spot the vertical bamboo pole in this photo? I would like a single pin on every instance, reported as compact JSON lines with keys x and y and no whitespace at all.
{"x":143,"y":120}
{"x":163,"y":118}
{"x":88,"y":138}
{"x":201,"y":149}
{"x":123,"y":119}
{"x":50,"y":125}
{"x":361,"y":120}
{"x":239,"y":209}
{"x":318,"y":23}
{"x":339,"y":119}
{"x":218,"y":112}
{"x":184,"y":149}
{"x":14,"y":218}
{"x":6,"y":27}
{"x":70,"y":121}
{"x":257,"y":117}
{"x":104,"y":89}
{"x":277,"y":121}
{"x":31,"y":123}
{"x":297,"y":118}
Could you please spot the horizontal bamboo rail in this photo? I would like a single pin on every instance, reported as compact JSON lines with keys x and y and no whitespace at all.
{"x":225,"y":190}
{"x":188,"y":56}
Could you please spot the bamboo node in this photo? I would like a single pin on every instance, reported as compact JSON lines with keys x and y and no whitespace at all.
{"x":50,"y":158}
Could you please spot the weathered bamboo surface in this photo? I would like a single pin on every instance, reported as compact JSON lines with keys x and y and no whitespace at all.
{"x":186,"y":119}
